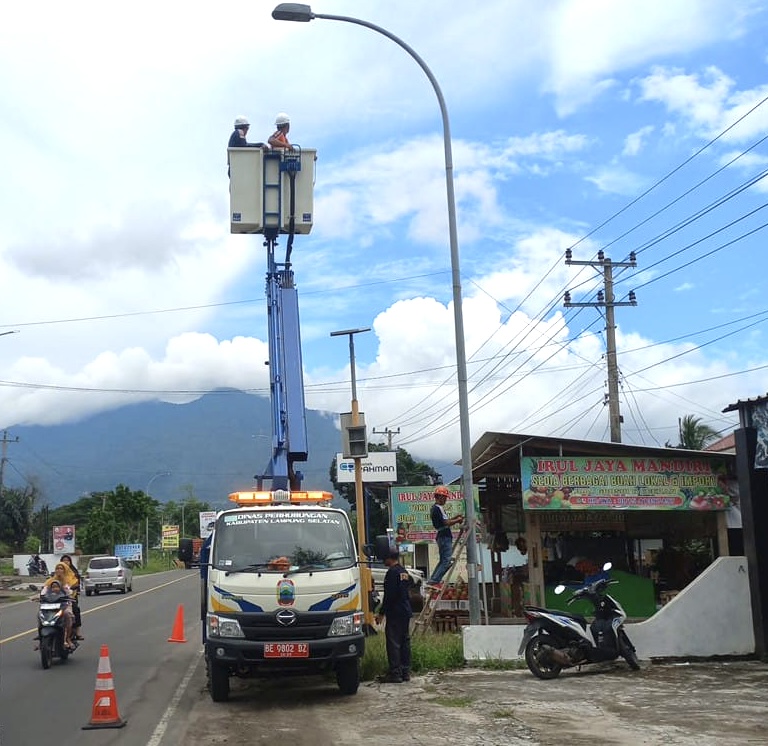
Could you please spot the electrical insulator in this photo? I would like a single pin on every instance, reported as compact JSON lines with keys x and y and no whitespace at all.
{"x":632,"y":297}
{"x":632,"y":257}
{"x":567,"y":297}
{"x":600,"y":296}
{"x":600,"y":256}
{"x":568,"y":255}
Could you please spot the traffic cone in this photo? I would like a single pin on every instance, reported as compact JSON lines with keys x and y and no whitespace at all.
{"x":178,"y":626}
{"x":104,"y":713}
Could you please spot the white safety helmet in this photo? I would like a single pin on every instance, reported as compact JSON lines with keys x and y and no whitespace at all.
{"x":242,"y":122}
{"x":282,"y":118}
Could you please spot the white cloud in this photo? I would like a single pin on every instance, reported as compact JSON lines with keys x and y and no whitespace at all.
{"x":616,"y":180}
{"x":634,"y":142}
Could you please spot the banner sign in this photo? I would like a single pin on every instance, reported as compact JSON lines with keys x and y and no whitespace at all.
{"x":64,"y":539}
{"x":410,"y":510}
{"x":599,"y":483}
{"x":207,"y":521}
{"x":129,"y":552}
{"x":378,"y":466}
{"x":170,"y":537}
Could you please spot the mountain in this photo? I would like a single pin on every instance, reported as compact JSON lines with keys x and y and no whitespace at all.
{"x":216,"y":444}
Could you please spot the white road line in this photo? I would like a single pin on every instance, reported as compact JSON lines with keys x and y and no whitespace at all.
{"x":162,"y":726}
{"x":122,"y":599}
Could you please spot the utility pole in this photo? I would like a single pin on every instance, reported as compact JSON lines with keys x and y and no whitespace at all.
{"x":389,"y":433}
{"x":5,"y":441}
{"x":605,"y":299}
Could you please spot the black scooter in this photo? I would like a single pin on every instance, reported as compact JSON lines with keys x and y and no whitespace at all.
{"x":36,"y":566}
{"x":554,"y":640}
{"x":51,"y":630}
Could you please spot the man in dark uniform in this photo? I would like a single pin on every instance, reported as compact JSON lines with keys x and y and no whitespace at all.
{"x":238,"y":137}
{"x":396,"y":608}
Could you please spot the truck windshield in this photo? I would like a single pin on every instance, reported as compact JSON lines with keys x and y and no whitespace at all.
{"x":282,"y":540}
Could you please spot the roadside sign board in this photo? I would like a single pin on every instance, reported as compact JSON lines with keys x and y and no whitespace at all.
{"x":170,"y":537}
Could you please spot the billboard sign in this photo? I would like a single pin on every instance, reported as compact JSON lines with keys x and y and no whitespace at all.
{"x":377,"y":466}
{"x":601,"y":483}
{"x":170,"y":537}
{"x":411,"y":507}
{"x":63,"y":539}
{"x":129,"y":552}
{"x":207,"y":521}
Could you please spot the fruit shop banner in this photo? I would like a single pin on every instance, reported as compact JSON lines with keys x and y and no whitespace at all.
{"x":596,"y":483}
{"x":411,"y":508}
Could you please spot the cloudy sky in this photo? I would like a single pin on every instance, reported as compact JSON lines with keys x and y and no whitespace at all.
{"x":583,"y":124}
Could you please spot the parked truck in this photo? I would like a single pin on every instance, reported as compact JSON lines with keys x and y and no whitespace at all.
{"x":281,"y":590}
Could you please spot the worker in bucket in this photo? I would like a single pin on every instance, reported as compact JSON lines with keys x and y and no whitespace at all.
{"x":279,"y":140}
{"x":238,"y":137}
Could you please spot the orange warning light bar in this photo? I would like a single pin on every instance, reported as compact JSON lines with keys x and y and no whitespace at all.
{"x":280,"y":497}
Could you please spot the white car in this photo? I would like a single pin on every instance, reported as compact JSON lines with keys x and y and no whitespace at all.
{"x":107,"y":573}
{"x":379,"y":570}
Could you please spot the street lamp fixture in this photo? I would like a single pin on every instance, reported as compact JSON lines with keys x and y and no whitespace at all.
{"x":303,"y":13}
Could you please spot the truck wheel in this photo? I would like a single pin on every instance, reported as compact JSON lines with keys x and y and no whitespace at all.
{"x":218,"y":682}
{"x":348,"y":675}
{"x":88,"y":593}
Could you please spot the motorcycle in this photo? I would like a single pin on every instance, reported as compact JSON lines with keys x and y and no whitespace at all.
{"x":554,"y":640}
{"x":51,"y":631}
{"x":37,"y":566}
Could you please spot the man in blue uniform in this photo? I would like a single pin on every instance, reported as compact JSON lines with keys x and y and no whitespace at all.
{"x":396,"y":609}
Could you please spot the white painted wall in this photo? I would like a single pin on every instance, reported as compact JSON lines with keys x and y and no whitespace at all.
{"x":712,"y":616}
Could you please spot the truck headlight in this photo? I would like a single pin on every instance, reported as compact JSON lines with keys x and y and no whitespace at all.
{"x":222,"y":626}
{"x":346,"y":625}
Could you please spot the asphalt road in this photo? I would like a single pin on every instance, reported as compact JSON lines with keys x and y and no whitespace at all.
{"x":38,"y":706}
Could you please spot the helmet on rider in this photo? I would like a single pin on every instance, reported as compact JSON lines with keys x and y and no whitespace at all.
{"x":282,"y":119}
{"x":242,"y":122}
{"x":442,"y":491}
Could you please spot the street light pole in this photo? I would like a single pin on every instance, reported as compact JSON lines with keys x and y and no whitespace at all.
{"x":365,"y":572}
{"x":155,"y":476}
{"x":303,"y":13}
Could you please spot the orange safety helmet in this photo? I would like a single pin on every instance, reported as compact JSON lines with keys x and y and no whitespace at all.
{"x":441,"y":489}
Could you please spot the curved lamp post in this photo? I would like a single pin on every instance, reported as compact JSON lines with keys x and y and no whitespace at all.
{"x":155,"y":476}
{"x":303,"y":13}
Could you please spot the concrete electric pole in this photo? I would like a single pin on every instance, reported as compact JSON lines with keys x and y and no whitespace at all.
{"x":605,"y":299}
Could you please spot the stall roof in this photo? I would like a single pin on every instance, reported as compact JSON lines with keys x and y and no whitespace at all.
{"x":498,"y":454}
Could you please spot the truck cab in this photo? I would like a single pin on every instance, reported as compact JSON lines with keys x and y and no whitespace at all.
{"x":282,"y":594}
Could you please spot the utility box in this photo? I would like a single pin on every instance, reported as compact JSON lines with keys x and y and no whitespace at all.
{"x":264,"y":184}
{"x":354,"y":438}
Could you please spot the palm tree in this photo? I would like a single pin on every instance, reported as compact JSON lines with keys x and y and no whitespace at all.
{"x":694,"y":434}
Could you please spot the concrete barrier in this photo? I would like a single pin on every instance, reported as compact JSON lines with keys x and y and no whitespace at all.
{"x":710,"y":617}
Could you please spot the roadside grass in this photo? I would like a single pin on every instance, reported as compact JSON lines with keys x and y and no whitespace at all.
{"x":158,"y":561}
{"x":429,"y":652}
{"x":6,"y":566}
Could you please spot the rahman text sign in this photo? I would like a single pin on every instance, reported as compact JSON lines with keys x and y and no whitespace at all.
{"x":378,"y":466}
{"x":600,"y":483}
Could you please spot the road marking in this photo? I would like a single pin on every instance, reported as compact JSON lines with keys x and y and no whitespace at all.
{"x":162,"y":726}
{"x":120,"y":600}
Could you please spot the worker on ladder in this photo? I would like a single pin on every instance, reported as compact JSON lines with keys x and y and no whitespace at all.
{"x":442,"y":524}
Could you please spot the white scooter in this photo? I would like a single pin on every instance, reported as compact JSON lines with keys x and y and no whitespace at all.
{"x":554,"y":640}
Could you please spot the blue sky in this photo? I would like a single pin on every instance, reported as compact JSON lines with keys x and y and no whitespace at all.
{"x":632,"y":126}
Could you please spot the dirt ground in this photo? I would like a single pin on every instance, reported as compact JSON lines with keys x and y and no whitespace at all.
{"x":683,"y":704}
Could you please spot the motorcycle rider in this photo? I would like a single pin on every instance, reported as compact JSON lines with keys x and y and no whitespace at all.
{"x":75,"y":586}
{"x":54,"y":592}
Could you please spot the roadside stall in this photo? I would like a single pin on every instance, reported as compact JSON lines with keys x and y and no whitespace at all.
{"x":659,"y":515}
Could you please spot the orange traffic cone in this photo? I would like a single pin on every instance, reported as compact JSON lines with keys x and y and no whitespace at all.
{"x":178,"y":626}
{"x":104,"y":713}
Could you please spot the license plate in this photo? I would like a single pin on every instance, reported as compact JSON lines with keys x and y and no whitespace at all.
{"x":286,"y":650}
{"x":103,"y":585}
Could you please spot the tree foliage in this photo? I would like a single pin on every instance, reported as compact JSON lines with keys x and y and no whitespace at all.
{"x":695,"y":434}
{"x":410,"y":473}
{"x":16,"y":513}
